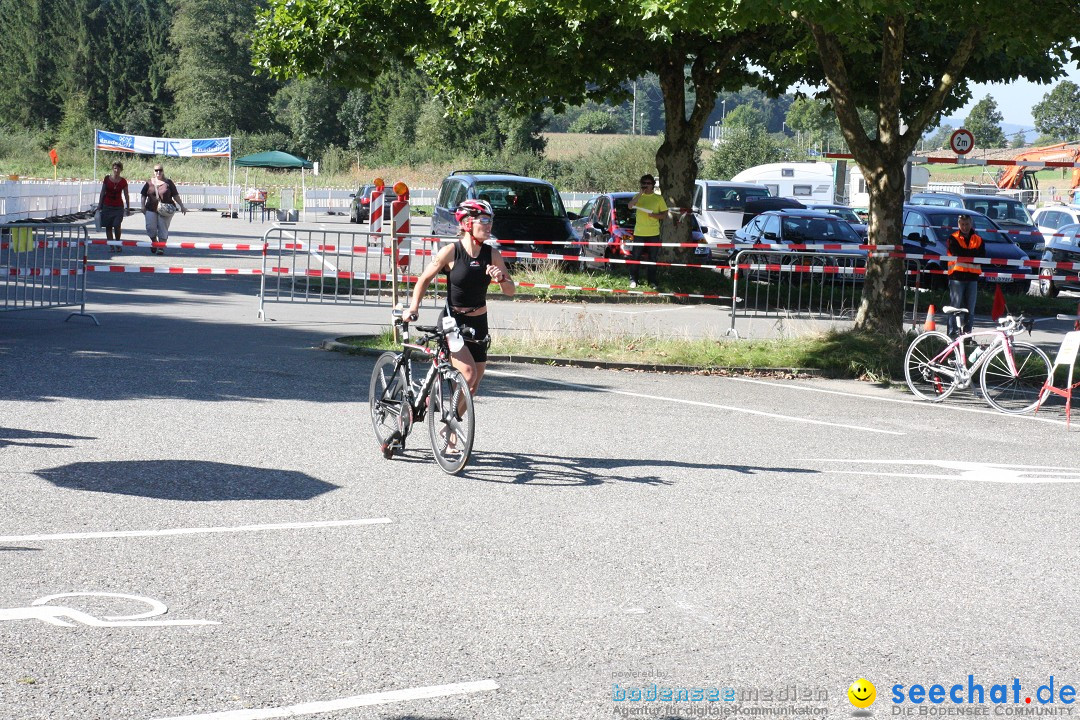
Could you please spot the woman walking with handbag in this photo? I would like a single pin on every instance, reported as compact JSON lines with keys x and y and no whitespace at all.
{"x":160,"y":200}
{"x":113,"y":204}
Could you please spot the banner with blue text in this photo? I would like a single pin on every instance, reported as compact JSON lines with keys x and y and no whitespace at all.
{"x":140,"y":145}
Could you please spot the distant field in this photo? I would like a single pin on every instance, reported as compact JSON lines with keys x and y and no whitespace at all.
{"x":567,"y":146}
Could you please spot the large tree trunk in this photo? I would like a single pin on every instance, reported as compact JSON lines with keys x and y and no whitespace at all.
{"x":676,"y":159}
{"x":883,"y":301}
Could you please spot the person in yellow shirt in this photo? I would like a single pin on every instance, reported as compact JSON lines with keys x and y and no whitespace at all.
{"x":651,"y":209}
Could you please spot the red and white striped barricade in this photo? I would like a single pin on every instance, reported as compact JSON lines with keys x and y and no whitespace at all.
{"x":375,"y":210}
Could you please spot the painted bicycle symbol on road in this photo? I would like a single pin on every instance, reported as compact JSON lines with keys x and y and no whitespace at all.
{"x":64,"y":616}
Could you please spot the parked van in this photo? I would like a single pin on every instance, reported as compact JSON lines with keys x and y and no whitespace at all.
{"x":805,"y":181}
{"x":718,"y":206}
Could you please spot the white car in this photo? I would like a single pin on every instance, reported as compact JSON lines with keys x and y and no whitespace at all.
{"x":719,"y":207}
{"x":1052,"y":217}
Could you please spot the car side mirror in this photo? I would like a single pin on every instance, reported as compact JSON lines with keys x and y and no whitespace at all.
{"x":771,"y":235}
{"x":696,"y":208}
{"x":352,"y":195}
{"x":572,"y":216}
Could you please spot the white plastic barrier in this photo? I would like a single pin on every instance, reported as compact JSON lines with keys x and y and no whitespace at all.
{"x":25,"y":199}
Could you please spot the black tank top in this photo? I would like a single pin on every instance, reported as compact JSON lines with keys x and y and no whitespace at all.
{"x":468,"y":278}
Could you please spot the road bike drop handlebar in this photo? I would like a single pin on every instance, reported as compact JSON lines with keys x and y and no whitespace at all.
{"x":433,"y":331}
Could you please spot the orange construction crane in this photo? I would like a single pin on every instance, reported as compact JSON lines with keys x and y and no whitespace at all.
{"x":1018,"y":177}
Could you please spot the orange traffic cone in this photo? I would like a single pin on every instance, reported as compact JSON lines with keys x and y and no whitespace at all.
{"x":930,"y":324}
{"x":999,"y":308}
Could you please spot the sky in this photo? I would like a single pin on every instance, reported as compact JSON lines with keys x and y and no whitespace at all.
{"x":1014,"y":100}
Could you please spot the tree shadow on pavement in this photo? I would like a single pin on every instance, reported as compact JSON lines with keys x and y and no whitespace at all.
{"x":192,"y":480}
{"x":33,"y":438}
{"x":555,"y":471}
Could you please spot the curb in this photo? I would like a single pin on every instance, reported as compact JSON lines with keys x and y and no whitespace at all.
{"x":787,"y":373}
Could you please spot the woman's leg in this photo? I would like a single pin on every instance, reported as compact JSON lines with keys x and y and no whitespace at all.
{"x":109,"y":237}
{"x":151,"y":226}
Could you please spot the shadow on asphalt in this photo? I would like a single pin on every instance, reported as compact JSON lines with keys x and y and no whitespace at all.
{"x":186,"y":480}
{"x":33,"y":438}
{"x":555,"y":471}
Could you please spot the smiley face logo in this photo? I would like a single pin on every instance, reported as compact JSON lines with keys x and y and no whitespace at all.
{"x":862,"y":693}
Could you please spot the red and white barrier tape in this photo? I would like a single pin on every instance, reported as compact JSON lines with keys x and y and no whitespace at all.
{"x":156,"y":270}
{"x":181,"y":245}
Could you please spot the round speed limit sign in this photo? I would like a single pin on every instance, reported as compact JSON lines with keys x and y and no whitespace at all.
{"x":962,"y":141}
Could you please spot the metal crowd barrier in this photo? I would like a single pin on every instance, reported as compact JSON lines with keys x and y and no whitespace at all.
{"x":786,"y":284}
{"x":43,"y":266}
{"x":331,"y":266}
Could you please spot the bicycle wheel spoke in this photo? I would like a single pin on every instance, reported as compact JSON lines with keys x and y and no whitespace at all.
{"x":386,"y":399}
{"x":930,"y":371}
{"x":1015,"y":392}
{"x":450,"y":421}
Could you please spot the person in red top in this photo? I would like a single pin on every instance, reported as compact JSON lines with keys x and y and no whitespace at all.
{"x":115,"y":204}
{"x":963,"y":274}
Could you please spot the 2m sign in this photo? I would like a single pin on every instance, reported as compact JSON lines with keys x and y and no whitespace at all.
{"x":962,"y":141}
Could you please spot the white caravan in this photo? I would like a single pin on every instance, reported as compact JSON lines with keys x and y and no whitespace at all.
{"x":807,"y":182}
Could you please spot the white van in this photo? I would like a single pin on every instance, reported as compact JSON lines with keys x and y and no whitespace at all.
{"x":807,"y":182}
{"x":719,"y":205}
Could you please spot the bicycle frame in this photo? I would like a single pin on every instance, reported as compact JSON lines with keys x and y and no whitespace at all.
{"x":963,"y":375}
{"x":417,"y":396}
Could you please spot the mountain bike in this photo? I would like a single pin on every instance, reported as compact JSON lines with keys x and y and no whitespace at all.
{"x":1011,"y":374}
{"x":398,"y":401}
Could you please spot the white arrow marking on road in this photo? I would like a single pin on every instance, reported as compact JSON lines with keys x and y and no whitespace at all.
{"x":312,"y":708}
{"x":973,"y":471}
{"x":698,"y":403}
{"x":193,"y":531}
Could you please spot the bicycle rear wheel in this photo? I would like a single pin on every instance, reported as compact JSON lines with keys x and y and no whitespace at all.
{"x":450,"y":421}
{"x":1019,"y":392}
{"x":386,"y":397}
{"x":929,"y":379}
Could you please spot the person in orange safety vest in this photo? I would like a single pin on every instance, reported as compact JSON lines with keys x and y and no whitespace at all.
{"x":964,"y":275}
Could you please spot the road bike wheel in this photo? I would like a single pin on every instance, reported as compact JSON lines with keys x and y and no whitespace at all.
{"x":450,"y":421}
{"x":933,"y":381}
{"x":1017,"y":393}
{"x":386,"y":396}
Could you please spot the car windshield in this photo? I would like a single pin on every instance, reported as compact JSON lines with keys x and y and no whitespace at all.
{"x":818,"y":229}
{"x":945,"y":224}
{"x":509,"y":197}
{"x":624,"y":216}
{"x":846,"y":214}
{"x":722,"y":198}
{"x":1004,"y":211}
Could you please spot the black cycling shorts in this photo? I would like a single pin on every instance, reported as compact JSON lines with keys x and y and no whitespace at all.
{"x":479,"y":323}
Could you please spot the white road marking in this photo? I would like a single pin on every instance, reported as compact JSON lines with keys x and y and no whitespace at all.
{"x":60,"y":615}
{"x":970,"y":471}
{"x":192,"y":531}
{"x":900,"y":401}
{"x":380,"y":698}
{"x":697,"y":403}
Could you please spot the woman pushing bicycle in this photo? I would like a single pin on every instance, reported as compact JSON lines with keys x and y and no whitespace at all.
{"x":471,"y":265}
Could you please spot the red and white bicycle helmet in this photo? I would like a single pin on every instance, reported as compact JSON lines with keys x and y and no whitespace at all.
{"x":471,"y":209}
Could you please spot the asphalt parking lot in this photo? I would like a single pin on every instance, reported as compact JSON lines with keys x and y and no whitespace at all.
{"x":198,"y":525}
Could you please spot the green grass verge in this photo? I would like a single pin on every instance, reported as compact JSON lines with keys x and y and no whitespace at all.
{"x":839,"y":354}
{"x":616,"y":277}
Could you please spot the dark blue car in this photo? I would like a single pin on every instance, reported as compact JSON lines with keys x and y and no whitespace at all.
{"x":927,"y":228}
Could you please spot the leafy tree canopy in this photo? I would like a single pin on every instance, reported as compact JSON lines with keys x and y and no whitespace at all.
{"x":1058,"y":114}
{"x":984,"y":122}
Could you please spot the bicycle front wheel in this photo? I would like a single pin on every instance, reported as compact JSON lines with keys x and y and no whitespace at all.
{"x":930,"y":373}
{"x":450,"y":421}
{"x":386,"y":396}
{"x":1017,"y":392}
